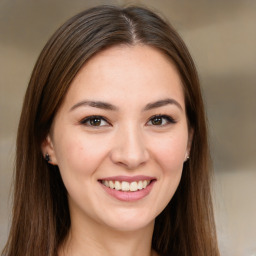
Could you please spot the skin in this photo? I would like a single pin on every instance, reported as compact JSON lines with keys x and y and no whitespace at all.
{"x":128,"y":141}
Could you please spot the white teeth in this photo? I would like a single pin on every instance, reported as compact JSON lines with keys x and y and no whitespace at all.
{"x":117,"y":185}
{"x":134,"y":186}
{"x":111,"y":184}
{"x":140,"y":185}
{"x":144,"y":183}
{"x":106,"y":183}
{"x":125,"y":185}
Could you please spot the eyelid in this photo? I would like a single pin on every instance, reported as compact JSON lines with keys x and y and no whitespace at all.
{"x":170,"y":119}
{"x":87,"y":118}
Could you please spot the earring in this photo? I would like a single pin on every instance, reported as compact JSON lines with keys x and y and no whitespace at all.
{"x":47,"y":158}
{"x":187,"y":158}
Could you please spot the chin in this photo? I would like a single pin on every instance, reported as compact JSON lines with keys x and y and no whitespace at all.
{"x":130,"y":220}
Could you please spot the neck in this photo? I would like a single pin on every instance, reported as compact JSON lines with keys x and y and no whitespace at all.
{"x":90,"y":238}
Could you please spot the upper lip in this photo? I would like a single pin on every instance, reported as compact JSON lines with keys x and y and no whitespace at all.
{"x":128,"y":178}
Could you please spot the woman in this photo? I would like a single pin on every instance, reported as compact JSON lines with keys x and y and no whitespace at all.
{"x":112,"y":153}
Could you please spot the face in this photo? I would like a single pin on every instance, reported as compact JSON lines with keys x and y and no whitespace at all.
{"x":121,"y":137}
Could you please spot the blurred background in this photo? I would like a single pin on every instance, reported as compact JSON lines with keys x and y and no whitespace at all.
{"x":221,"y":36}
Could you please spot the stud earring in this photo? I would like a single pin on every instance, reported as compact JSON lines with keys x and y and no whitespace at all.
{"x":47,"y":158}
{"x":186,"y":158}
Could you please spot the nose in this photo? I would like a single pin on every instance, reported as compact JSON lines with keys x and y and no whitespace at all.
{"x":129,"y":148}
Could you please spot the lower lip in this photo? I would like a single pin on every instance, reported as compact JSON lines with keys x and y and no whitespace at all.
{"x":129,"y":196}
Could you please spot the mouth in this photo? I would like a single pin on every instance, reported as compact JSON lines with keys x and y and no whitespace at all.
{"x":126,"y":186}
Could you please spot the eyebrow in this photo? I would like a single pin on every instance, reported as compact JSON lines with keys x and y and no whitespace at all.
{"x":108,"y":106}
{"x":161,"y":103}
{"x":95,"y":104}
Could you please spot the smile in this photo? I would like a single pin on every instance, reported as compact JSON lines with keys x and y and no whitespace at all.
{"x":125,"y":185}
{"x":128,"y":188}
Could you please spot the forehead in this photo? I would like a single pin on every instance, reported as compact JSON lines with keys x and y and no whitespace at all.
{"x":127,"y":73}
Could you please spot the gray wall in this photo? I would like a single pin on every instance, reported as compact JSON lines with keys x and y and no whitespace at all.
{"x":221,"y":36}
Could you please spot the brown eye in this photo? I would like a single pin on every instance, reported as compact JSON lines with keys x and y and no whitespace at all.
{"x":157,"y":121}
{"x":161,"y":120}
{"x":94,"y":121}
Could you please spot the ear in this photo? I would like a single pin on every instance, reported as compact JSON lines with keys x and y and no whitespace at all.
{"x":190,"y":140}
{"x":48,"y":149}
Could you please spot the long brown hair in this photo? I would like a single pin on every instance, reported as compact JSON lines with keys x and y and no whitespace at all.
{"x":41,"y":218}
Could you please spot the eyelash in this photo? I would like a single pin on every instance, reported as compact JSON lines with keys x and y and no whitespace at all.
{"x":90,"y":118}
{"x":169,"y":120}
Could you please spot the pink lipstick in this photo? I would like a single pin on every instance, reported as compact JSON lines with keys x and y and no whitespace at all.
{"x":127,"y":188}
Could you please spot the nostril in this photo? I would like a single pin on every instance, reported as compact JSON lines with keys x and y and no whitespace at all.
{"x":129,"y":150}
{"x":129,"y":159}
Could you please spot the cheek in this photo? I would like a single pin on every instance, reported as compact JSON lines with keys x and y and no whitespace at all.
{"x":79,"y":155}
{"x":170,"y":153}
{"x":168,"y":156}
